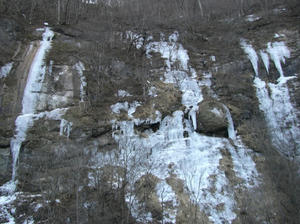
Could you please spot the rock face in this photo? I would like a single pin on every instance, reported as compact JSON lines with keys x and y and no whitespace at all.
{"x":211,"y":119}
{"x":113,"y":137}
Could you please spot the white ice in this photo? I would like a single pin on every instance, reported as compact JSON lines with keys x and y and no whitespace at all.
{"x":249,"y":50}
{"x":195,"y":158}
{"x":25,"y":121}
{"x":65,"y":128}
{"x":136,"y":39}
{"x":5,"y":70}
{"x":36,"y":74}
{"x":79,"y":66}
{"x":278,"y":52}
{"x":152,"y":91}
{"x":274,"y":100}
{"x":123,"y":93}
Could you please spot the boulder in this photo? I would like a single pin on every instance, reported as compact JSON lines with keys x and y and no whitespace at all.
{"x":211,"y":119}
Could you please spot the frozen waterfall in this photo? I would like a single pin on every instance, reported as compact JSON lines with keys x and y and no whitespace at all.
{"x":274,"y":99}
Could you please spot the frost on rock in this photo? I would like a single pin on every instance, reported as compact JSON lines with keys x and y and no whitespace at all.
{"x":194,"y":158}
{"x":129,"y":107}
{"x":136,"y":39}
{"x":65,"y":128}
{"x":152,"y":92}
{"x":5,"y":70}
{"x":80,"y":68}
{"x":123,"y":93}
{"x":274,"y":100}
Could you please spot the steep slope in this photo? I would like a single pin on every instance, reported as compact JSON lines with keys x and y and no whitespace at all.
{"x":162,"y":126}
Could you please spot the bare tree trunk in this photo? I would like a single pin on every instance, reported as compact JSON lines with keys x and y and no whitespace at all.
{"x":33,"y":4}
{"x":200,"y":7}
{"x":58,"y":11}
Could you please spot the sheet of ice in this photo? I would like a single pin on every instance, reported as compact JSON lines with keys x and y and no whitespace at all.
{"x":5,"y":70}
{"x":36,"y":74}
{"x":23,"y":122}
{"x":195,"y":158}
{"x":79,"y":66}
{"x":278,"y":52}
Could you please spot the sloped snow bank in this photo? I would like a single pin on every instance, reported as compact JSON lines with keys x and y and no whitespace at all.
{"x":176,"y":148}
{"x":274,"y":99}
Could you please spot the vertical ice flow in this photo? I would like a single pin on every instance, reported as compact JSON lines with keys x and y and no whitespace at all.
{"x":33,"y":85}
{"x":274,"y":99}
{"x":36,"y":74}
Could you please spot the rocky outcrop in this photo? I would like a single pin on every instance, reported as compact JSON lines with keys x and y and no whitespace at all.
{"x":211,"y":119}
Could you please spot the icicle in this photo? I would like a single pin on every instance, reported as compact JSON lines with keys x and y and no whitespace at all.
{"x":192,"y":116}
{"x":251,"y":55}
{"x":231,"y":131}
{"x":278,"y":52}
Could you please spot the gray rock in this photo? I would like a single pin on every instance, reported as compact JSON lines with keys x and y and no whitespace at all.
{"x":211,"y":119}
